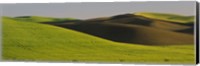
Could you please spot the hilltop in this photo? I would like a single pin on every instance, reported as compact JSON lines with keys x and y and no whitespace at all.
{"x":167,"y":17}
{"x":42,"y":19}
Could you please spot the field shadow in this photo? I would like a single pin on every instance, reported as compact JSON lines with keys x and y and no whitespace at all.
{"x":130,"y":29}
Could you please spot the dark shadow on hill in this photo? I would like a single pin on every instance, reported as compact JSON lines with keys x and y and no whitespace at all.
{"x":188,"y":31}
{"x":62,"y":21}
{"x":132,"y":29}
{"x":23,"y":17}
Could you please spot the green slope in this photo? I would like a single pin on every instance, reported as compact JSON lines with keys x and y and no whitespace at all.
{"x":32,"y":41}
{"x":40,"y":19}
{"x":167,"y":17}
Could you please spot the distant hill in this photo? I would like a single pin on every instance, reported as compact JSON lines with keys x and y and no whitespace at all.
{"x":41,"y":19}
{"x":167,"y":17}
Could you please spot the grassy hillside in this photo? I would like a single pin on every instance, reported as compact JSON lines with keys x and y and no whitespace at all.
{"x":32,"y":41}
{"x":131,"y":33}
{"x":40,"y":19}
{"x":129,"y":28}
{"x":167,"y":17}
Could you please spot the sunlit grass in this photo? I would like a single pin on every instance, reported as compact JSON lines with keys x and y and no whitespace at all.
{"x":32,"y":41}
{"x":167,"y":17}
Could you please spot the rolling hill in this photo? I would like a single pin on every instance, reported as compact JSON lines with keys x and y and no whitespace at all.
{"x":167,"y":17}
{"x":42,"y":19}
{"x":131,"y":28}
{"x":33,"y":41}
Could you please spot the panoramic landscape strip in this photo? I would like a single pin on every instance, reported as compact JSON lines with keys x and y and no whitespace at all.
{"x":143,"y":37}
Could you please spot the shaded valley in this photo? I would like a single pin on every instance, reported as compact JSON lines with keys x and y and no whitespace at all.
{"x":130,"y":28}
